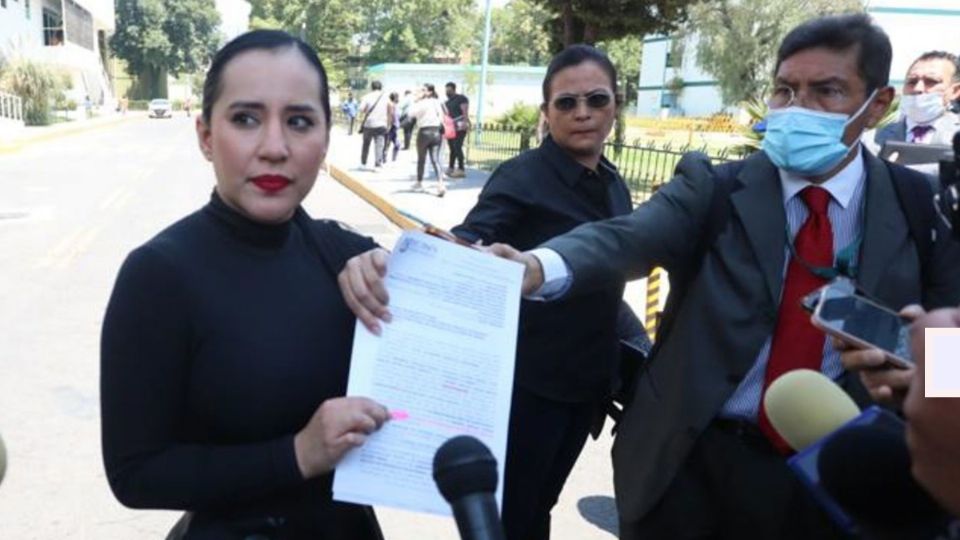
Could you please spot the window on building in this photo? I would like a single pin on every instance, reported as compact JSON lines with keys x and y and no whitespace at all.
{"x":675,"y":54}
{"x":52,"y":28}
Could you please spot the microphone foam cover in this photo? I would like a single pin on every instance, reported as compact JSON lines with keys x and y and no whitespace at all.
{"x":804,"y":406}
{"x":464,"y":465}
{"x":867,"y":470}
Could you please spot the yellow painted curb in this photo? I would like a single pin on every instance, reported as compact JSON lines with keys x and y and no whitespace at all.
{"x":15,"y":146}
{"x":372,"y":198}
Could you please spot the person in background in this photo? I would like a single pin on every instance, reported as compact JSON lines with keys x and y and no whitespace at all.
{"x":406,"y":121}
{"x":428,"y":113}
{"x":349,"y":109}
{"x":931,"y":85}
{"x":226,"y":344}
{"x":568,"y":351}
{"x":458,"y":107}
{"x":392,"y":138}
{"x":375,"y":110}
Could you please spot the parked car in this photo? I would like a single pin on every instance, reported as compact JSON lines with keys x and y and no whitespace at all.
{"x":160,"y":108}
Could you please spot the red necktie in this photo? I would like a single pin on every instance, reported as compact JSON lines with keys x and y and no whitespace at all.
{"x":796,"y":343}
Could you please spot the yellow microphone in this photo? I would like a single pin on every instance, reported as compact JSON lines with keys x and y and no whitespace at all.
{"x":804,"y":406}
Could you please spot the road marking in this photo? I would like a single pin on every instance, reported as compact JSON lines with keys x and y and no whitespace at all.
{"x":108,"y":202}
{"x":68,"y":249}
{"x":79,"y":247}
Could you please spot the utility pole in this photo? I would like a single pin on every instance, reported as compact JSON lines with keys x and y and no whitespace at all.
{"x":483,"y":68}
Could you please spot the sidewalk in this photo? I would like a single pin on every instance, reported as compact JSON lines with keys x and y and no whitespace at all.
{"x":15,"y":140}
{"x":390,"y":189}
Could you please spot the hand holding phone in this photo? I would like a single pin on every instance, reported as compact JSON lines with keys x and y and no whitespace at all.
{"x":864,"y":323}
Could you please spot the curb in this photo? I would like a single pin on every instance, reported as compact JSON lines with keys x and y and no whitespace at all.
{"x":378,"y":202}
{"x":18,"y":144}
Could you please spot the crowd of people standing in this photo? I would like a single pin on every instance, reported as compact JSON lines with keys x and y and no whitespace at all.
{"x":385,"y":116}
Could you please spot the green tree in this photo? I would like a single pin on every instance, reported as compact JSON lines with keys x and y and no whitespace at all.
{"x":625,"y":53}
{"x":418,"y":30}
{"x":519,"y":34}
{"x":331,"y":27}
{"x":590,"y":21}
{"x":737,"y":40}
{"x":156,"y":37}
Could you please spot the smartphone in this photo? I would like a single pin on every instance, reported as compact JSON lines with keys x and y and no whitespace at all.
{"x":864,"y":323}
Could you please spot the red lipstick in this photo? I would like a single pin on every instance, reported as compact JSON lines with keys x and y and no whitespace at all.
{"x":271,"y":183}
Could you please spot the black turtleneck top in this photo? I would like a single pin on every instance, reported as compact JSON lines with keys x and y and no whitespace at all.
{"x":221,"y":339}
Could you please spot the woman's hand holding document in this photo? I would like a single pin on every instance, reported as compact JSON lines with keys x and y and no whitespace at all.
{"x":443,"y":366}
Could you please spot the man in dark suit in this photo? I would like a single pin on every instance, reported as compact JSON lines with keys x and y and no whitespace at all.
{"x":932,"y":83}
{"x":695,"y":456}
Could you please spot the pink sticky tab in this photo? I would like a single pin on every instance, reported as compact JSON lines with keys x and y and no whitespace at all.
{"x":399,"y":415}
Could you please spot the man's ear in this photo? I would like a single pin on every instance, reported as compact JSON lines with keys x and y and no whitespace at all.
{"x":203,"y":138}
{"x":953,"y":92}
{"x":880,"y":105}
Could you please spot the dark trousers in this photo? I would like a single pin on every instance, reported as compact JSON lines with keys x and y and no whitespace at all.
{"x":734,"y":485}
{"x":391,"y":139}
{"x":378,"y":135}
{"x":428,"y":142}
{"x":350,"y":126}
{"x":544,"y":441}
{"x":407,"y":134}
{"x":456,"y":150}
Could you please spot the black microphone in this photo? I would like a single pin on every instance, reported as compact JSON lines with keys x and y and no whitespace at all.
{"x":867,"y":471}
{"x":466,"y":475}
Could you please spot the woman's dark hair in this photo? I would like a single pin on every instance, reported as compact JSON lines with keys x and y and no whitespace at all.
{"x":574,"y":55}
{"x":840,"y":33}
{"x":394,"y":97}
{"x":431,"y":90}
{"x":260,"y":40}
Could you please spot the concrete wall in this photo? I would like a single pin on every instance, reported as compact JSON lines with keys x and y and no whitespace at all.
{"x":915,"y":27}
{"x":20,"y":35}
{"x":699,"y":96}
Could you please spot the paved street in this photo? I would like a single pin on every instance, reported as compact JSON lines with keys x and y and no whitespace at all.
{"x":70,"y":210}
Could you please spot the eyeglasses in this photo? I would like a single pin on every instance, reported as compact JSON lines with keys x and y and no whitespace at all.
{"x":826,"y":97}
{"x":595,"y":100}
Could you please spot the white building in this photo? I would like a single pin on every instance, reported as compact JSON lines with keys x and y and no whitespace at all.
{"x":506,"y":85}
{"x":70,"y":35}
{"x":914,"y":27}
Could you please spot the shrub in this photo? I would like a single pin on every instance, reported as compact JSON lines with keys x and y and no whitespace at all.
{"x":521,"y":116}
{"x":38,"y":86}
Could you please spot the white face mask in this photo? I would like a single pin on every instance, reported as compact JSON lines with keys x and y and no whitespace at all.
{"x":922,"y":108}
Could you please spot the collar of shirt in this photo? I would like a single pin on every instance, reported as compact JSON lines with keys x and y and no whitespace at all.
{"x":841,"y":186}
{"x":570,"y":170}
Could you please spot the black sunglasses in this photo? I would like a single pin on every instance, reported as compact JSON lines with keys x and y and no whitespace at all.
{"x":595,"y":100}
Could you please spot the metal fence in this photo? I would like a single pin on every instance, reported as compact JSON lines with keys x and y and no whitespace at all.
{"x":643,"y":167}
{"x":11,"y":107}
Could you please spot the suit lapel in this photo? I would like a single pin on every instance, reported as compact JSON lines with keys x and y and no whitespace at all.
{"x":759,"y":205}
{"x":900,"y":131}
{"x":945,"y":127}
{"x":883,"y":224}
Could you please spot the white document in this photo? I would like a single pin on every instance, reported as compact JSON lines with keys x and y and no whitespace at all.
{"x":443,"y":366}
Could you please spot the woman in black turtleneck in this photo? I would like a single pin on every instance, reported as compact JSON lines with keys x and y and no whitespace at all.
{"x":226,"y":343}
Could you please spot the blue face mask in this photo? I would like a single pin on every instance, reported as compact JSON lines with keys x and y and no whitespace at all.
{"x":807,"y":142}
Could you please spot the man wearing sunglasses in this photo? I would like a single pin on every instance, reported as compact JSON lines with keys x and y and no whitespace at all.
{"x":695,"y":456}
